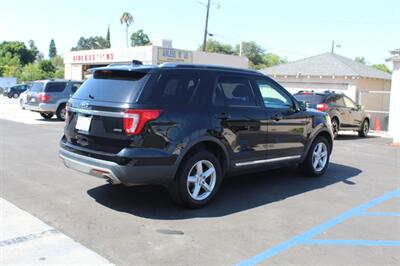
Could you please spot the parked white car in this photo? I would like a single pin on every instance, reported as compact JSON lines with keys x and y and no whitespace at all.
{"x":23,"y":99}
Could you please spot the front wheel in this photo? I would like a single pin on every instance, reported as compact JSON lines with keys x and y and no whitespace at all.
{"x":335,"y":127}
{"x":364,"y":130}
{"x":15,"y":95}
{"x":197,"y":180}
{"x":317,"y":159}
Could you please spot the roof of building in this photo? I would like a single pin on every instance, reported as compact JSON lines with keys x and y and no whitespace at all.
{"x":328,"y":64}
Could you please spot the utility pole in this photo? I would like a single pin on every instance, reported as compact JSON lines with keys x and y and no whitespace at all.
{"x":206,"y":28}
{"x":333,"y":47}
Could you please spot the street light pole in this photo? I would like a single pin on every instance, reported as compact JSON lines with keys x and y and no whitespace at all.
{"x":206,"y":28}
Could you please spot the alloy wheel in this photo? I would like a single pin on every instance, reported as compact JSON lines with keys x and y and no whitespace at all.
{"x":201,"y":180}
{"x":320,"y":156}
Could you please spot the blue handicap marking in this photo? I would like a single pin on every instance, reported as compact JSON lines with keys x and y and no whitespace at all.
{"x":306,"y":237}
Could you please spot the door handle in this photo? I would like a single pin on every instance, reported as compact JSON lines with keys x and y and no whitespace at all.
{"x":278,"y":117}
{"x":223,"y":116}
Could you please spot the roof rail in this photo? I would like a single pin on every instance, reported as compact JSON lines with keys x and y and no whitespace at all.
{"x":205,"y":66}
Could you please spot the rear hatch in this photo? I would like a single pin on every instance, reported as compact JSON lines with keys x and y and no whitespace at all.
{"x":42,"y":92}
{"x":97,"y":112}
{"x":311,"y":99}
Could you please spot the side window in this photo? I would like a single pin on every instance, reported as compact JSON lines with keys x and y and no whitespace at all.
{"x":235,"y":91}
{"x":172,"y":89}
{"x":273,"y":97}
{"x":75,"y":87}
{"x":336,"y":100}
{"x":55,"y":87}
{"x":349,"y":103}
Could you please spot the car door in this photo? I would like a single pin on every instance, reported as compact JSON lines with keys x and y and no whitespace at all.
{"x":239,"y":116}
{"x":286,"y":126}
{"x":354,"y":112}
{"x":338,"y":108}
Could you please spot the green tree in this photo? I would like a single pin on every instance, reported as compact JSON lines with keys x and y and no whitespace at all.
{"x":9,"y":66}
{"x":19,"y":50}
{"x":271,"y":59}
{"x":382,"y":67}
{"x":96,"y":42}
{"x":214,"y":46}
{"x":254,"y":52}
{"x":52,"y":49}
{"x":47,"y":66}
{"x":360,"y":59}
{"x":139,"y":38}
{"x":31,"y":72}
{"x":33,"y":48}
{"x":127,"y":19}
{"x":108,"y":37}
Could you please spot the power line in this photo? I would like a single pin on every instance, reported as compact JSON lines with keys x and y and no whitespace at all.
{"x":312,"y":19}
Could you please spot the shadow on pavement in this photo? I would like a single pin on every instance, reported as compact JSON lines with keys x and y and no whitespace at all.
{"x":235,"y":195}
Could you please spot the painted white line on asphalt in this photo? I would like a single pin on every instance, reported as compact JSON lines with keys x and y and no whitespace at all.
{"x":24,"y":239}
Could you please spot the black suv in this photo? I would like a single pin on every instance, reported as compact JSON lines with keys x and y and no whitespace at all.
{"x":345,"y":114}
{"x":187,"y":127}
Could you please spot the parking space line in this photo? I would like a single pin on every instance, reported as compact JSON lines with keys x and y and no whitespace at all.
{"x":299,"y":239}
{"x":353,"y":242}
{"x":392,"y":214}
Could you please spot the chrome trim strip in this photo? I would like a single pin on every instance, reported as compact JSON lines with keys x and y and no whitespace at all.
{"x":268,"y":160}
{"x":96,"y":112}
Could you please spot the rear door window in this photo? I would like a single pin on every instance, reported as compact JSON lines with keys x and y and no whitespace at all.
{"x":171,"y":89}
{"x":336,"y":100}
{"x":112,"y":86}
{"x":55,"y":86}
{"x":234,"y":91}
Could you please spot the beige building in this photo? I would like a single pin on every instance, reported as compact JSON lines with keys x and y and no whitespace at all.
{"x":364,"y":84}
{"x":77,"y":63}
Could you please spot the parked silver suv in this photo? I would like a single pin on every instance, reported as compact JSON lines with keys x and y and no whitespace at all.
{"x":48,"y":97}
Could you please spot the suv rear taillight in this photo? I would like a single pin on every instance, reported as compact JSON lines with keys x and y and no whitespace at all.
{"x":322,"y":107}
{"x":43,"y":97}
{"x":135,"y":120}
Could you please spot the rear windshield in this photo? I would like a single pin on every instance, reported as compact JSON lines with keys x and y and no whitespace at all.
{"x":55,"y":86}
{"x":310,"y":98}
{"x":37,"y":87}
{"x":112,"y":86}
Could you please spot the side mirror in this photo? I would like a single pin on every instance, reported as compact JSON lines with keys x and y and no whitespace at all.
{"x":302,"y":105}
{"x":360,"y":107}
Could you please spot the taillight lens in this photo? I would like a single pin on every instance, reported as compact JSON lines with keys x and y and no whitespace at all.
{"x":322,"y":107}
{"x":43,"y":98}
{"x":135,"y":120}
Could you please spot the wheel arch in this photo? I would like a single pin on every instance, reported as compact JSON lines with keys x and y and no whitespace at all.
{"x":211,"y":144}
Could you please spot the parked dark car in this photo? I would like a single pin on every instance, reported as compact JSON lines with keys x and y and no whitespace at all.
{"x":16,"y":90}
{"x":345,"y":114}
{"x":187,"y":127}
{"x":49,"y":97}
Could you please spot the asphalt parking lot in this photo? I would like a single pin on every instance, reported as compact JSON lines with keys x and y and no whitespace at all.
{"x":349,"y":216}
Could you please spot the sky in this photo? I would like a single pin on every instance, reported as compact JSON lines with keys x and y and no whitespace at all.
{"x":290,"y":28}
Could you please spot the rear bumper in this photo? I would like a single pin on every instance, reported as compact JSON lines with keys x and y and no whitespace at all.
{"x":42,"y":107}
{"x":116,"y":173}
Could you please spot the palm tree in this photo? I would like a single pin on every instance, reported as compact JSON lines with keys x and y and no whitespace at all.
{"x":126,"y":18}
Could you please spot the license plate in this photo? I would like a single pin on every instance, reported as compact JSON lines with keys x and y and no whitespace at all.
{"x":83,"y":123}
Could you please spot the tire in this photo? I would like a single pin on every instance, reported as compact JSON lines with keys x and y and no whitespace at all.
{"x":183,"y":191}
{"x":47,"y":115}
{"x":61,"y":112}
{"x":363,"y":132}
{"x":310,"y":166}
{"x":335,"y":127}
{"x":15,"y":95}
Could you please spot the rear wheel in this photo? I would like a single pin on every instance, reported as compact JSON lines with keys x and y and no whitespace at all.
{"x":197,"y":181}
{"x":363,"y":132}
{"x":47,"y":115}
{"x":317,"y":159}
{"x":61,"y":112}
{"x":335,"y":127}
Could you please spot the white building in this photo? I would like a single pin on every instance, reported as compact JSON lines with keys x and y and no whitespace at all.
{"x":77,"y":63}
{"x":394,"y":117}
